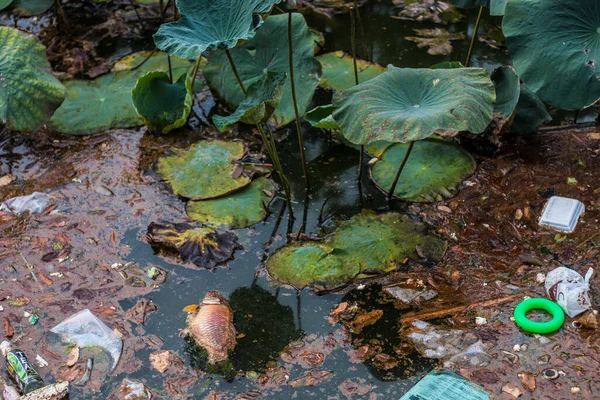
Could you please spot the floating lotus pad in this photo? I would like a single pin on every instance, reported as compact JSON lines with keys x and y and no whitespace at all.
{"x":404,"y":104}
{"x":268,"y":52}
{"x":31,"y":7}
{"x":4,"y":4}
{"x":29,"y":93}
{"x":262,"y":98}
{"x":206,"y":170}
{"x":507,"y":87}
{"x":433,"y":172}
{"x":530,"y":114}
{"x":210,"y":24}
{"x":205,"y":247}
{"x":238,"y":210}
{"x":94,"y":106}
{"x":367,"y":243}
{"x":162,"y":105}
{"x":555,"y":48}
{"x":314,"y":264}
{"x":338,"y":70}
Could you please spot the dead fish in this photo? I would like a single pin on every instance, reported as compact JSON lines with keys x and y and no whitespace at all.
{"x":211,"y":326}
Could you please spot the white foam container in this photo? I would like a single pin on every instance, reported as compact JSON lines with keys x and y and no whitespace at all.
{"x":562,"y":213}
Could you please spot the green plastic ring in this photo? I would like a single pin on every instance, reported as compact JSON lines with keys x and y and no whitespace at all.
{"x":558,"y":316}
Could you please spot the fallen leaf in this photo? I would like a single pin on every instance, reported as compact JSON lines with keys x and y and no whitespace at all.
{"x":312,"y":378}
{"x":9,"y":331}
{"x":161,"y":360}
{"x":527,"y":380}
{"x":512,"y":389}
{"x":73,"y":357}
{"x":44,"y":279}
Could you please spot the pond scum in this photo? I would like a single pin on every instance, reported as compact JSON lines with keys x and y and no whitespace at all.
{"x":330,"y":226}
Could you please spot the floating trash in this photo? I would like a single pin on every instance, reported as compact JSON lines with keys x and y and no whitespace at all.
{"x":562,"y":213}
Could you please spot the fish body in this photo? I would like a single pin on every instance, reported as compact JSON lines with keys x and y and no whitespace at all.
{"x":212,"y":327}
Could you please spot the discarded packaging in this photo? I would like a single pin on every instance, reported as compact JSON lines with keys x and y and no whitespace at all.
{"x":84,"y":329}
{"x":134,"y":390}
{"x":35,"y":203}
{"x":20,"y":369}
{"x":562,"y":213}
{"x":570,"y":290}
{"x":445,"y":385}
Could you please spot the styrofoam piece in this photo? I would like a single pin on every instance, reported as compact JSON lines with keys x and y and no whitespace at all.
{"x":562,"y":213}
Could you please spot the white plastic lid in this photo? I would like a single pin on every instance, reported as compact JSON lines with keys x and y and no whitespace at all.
{"x":562,"y":213}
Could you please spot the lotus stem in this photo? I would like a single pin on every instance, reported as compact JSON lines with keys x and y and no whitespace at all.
{"x":162,"y":20}
{"x":293,"y":87}
{"x":235,"y":71}
{"x":362,"y":30}
{"x":361,"y":155}
{"x":474,"y":37}
{"x":136,"y":12}
{"x":61,"y":11}
{"x":400,"y":168}
{"x":194,"y":71}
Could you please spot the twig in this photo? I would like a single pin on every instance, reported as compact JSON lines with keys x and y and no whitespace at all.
{"x":30,"y":267}
{"x":146,"y":59}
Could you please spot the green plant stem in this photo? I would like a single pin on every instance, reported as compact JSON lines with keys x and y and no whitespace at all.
{"x":61,"y":11}
{"x":400,"y":168}
{"x":235,"y":71}
{"x":362,"y":30}
{"x":468,"y":61}
{"x":162,"y":21}
{"x":194,"y":72}
{"x":293,"y":87}
{"x":361,"y":155}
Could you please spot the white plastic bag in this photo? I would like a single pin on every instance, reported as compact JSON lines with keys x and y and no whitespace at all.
{"x":569,"y":289}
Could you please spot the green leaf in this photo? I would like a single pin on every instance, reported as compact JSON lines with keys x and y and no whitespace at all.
{"x":153,"y":62}
{"x":470,"y":3}
{"x":204,"y":171}
{"x":29,"y":93}
{"x":210,"y":24}
{"x":321,"y":117}
{"x":301,"y":265}
{"x":530,"y":114}
{"x":507,"y":86}
{"x":497,"y":7}
{"x":4,"y":4}
{"x":162,"y":105}
{"x":238,"y":210}
{"x":262,"y":98}
{"x":382,"y":242}
{"x":338,"y":70}
{"x":268,"y":52}
{"x":32,"y":7}
{"x":447,"y":65}
{"x":555,"y":47}
{"x":433,"y":172}
{"x":405,"y":104}
{"x":93,"y":106}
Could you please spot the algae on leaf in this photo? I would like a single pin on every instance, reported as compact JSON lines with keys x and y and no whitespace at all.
{"x":29,"y":93}
{"x":205,"y":170}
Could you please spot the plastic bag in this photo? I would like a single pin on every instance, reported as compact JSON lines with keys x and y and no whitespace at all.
{"x":85,"y":329}
{"x":569,"y":289}
{"x":35,"y":203}
{"x":132,"y":389}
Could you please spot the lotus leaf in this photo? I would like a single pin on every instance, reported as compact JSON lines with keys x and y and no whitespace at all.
{"x":320,"y":117}
{"x":447,"y":65}
{"x":437,"y":40}
{"x":29,"y":93}
{"x":262,"y":98}
{"x":314,"y":264}
{"x":205,"y":247}
{"x":93,"y":106}
{"x":555,"y":47}
{"x":206,"y":170}
{"x":507,"y":86}
{"x":235,"y":211}
{"x":338,"y":70}
{"x":404,"y":104}
{"x":210,"y":24}
{"x":162,"y":105}
{"x":32,"y":7}
{"x":433,"y":172}
{"x":470,"y":3}
{"x":153,"y":62}
{"x":531,"y":113}
{"x":4,"y":4}
{"x":497,"y":7}
{"x":382,"y":242}
{"x":268,"y":51}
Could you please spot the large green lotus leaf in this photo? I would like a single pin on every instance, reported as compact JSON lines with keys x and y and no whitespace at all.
{"x":405,"y":104}
{"x":531,"y":113}
{"x":32,"y":7}
{"x":507,"y":86}
{"x":433,"y":172}
{"x":4,"y":4}
{"x":205,"y":247}
{"x":29,"y":93}
{"x":314,"y":264}
{"x":210,"y":24}
{"x":162,"y":105}
{"x":237,"y":210}
{"x":497,"y":7}
{"x":338,"y":70}
{"x":555,"y":48}
{"x":93,"y":106}
{"x":206,"y":170}
{"x":382,"y":242}
{"x":262,"y":98}
{"x":268,"y":51}
{"x":447,"y":65}
{"x":321,"y":117}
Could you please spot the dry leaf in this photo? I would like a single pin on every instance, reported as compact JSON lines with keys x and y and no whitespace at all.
{"x":73,"y":357}
{"x":45,"y":279}
{"x":161,"y":360}
{"x":9,"y":331}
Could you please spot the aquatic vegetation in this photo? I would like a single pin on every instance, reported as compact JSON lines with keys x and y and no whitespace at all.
{"x":29,"y":93}
{"x":338,"y":70}
{"x":321,"y":117}
{"x":162,"y":105}
{"x":555,"y":48}
{"x":507,"y":85}
{"x":28,"y":7}
{"x":436,"y":40}
{"x":530,"y":112}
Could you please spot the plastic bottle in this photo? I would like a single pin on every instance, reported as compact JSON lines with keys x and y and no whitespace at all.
{"x":19,"y":368}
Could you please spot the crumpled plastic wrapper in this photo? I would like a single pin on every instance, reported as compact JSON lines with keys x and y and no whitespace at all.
{"x":570,"y":290}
